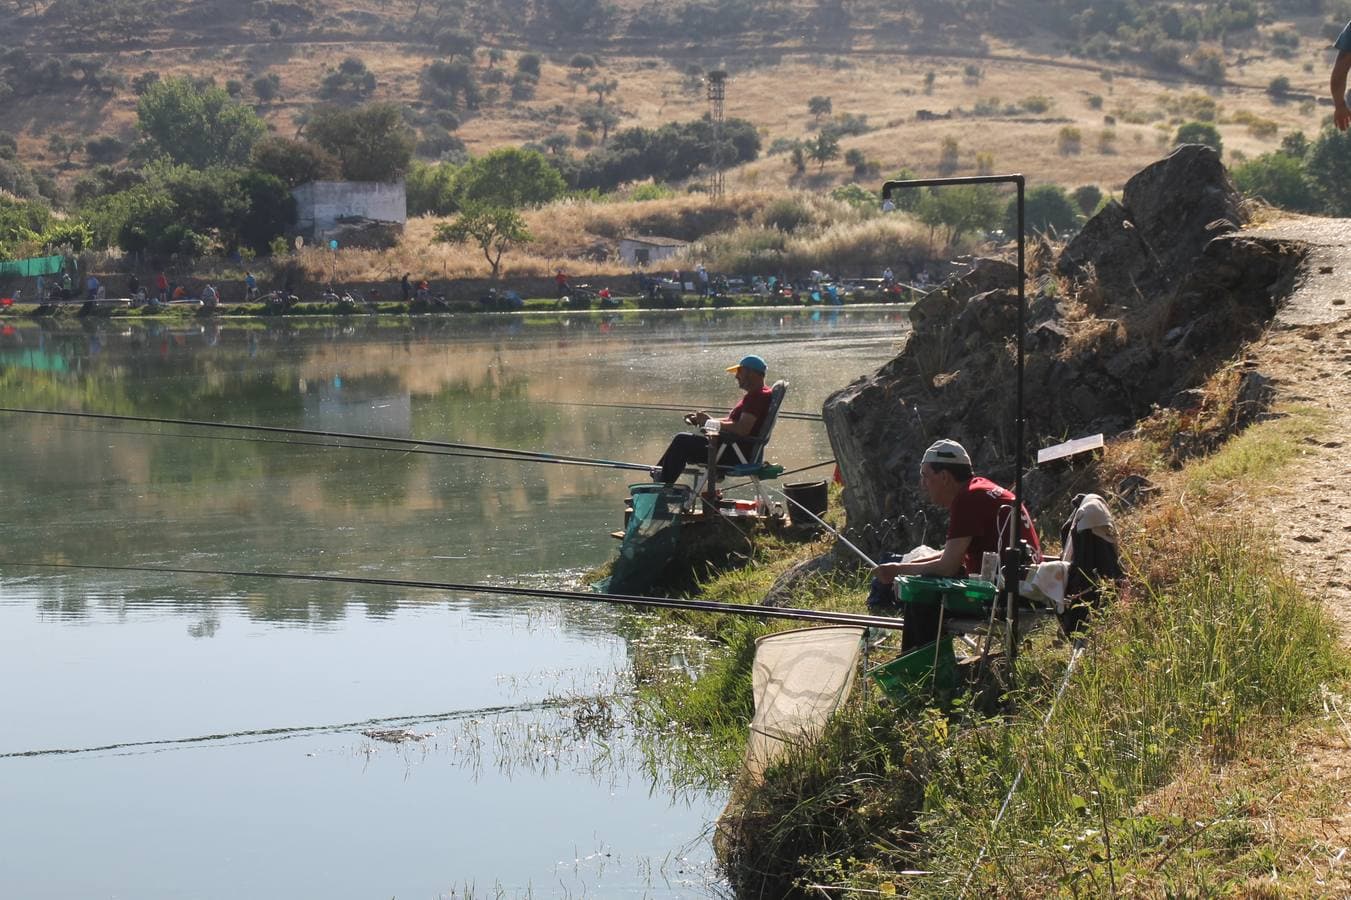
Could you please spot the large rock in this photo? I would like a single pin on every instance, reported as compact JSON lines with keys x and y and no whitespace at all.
{"x":1168,"y":212}
{"x":1172,"y":298}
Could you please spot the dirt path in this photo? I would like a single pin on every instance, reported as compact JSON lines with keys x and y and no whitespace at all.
{"x":1308,"y":352}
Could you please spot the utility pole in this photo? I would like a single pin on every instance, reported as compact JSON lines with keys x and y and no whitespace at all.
{"x":717,"y":95}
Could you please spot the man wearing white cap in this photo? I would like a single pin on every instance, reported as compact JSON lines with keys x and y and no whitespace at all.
{"x":742,"y":422}
{"x":978,"y":517}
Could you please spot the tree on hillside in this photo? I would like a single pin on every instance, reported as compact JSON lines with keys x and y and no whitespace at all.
{"x":429,"y":188}
{"x":372,"y":142}
{"x":1087,"y":198}
{"x":196,"y":125}
{"x":63,"y":147}
{"x":350,"y":81}
{"x":959,"y":209}
{"x":1279,"y":179}
{"x":595,"y":117}
{"x":822,"y":150}
{"x":1327,"y":162}
{"x":508,"y":177}
{"x":104,"y":149}
{"x":1199,"y":133}
{"x":266,"y":87}
{"x":450,"y":84}
{"x":294,"y":162}
{"x":454,"y":42}
{"x":493,"y":228}
{"x":575,"y":16}
{"x":818,"y":107}
{"x":602,"y":88}
{"x":1046,"y":207}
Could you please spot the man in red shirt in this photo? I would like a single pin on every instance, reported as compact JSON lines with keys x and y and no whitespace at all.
{"x":979,"y":522}
{"x":743,"y":422}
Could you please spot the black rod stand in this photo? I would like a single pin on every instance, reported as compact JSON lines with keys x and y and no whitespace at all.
{"x":1011,"y":555}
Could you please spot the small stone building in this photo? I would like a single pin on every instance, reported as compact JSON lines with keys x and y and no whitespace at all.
{"x":644,"y":251}
{"x":327,"y":209}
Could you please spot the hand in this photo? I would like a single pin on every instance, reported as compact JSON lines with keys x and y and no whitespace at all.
{"x":886,"y":573}
{"x":1341,"y":116}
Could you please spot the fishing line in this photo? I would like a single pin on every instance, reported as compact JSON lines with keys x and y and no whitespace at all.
{"x":844,"y":540}
{"x":285,"y":733}
{"x":741,"y":609}
{"x":274,"y":429}
{"x":1018,"y":779}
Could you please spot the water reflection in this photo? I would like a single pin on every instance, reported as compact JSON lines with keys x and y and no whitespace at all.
{"x":245,"y":699}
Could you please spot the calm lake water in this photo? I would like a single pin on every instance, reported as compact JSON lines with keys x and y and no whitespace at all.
{"x":202,"y":736}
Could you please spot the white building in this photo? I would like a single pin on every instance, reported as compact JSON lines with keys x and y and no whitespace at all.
{"x":323,"y":208}
{"x":644,"y":251}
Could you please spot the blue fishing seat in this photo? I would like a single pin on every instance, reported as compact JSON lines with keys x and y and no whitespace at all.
{"x":754,"y":466}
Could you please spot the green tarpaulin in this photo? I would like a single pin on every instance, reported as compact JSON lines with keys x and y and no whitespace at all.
{"x":29,"y":268}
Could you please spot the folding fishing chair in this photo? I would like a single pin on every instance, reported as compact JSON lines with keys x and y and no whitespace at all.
{"x":753,"y":467}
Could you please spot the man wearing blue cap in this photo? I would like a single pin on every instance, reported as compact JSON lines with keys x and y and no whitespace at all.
{"x":742,"y":423}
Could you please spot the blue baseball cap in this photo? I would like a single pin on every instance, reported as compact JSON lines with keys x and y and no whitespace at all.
{"x":754,"y":363}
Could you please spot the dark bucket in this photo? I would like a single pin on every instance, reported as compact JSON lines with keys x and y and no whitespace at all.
{"x":811,"y":495}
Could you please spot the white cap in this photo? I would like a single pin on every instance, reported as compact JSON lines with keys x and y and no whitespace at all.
{"x":948,"y":452}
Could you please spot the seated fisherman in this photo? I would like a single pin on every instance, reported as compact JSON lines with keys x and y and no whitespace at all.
{"x":744,"y":421}
{"x":978,"y":516}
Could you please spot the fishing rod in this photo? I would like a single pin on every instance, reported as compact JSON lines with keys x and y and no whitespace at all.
{"x":740,"y":609}
{"x":844,"y":540}
{"x":600,"y":464}
{"x":663,"y":407}
{"x":341,"y":435}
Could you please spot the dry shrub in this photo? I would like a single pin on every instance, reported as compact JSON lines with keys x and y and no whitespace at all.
{"x":859,"y":246}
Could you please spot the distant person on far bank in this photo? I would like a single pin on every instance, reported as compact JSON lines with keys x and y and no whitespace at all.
{"x":250,"y":287}
{"x":1341,"y":115}
{"x":560,"y":284}
{"x":91,"y":288}
{"x":742,"y":423}
{"x":162,"y":286}
{"x":406,"y":288}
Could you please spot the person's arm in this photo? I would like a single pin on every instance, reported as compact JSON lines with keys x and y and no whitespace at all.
{"x":742,"y":426}
{"x":945,"y":565}
{"x":1341,"y":116}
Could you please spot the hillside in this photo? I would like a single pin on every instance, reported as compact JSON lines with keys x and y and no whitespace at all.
{"x":1017,"y":99}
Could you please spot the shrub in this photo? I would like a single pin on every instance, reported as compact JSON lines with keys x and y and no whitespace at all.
{"x":1087,"y":198}
{"x":948,"y":156}
{"x":1280,"y":180}
{"x":529,"y":64}
{"x":1208,"y":63}
{"x":1069,"y":140}
{"x":1037,"y":104}
{"x":267,"y":87}
{"x":1199,"y":133}
{"x":1095,"y":101}
{"x":786,"y":214}
{"x":1279,"y":87}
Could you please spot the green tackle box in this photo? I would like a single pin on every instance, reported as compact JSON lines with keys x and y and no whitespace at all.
{"x":917,"y":672}
{"x":962,"y":595}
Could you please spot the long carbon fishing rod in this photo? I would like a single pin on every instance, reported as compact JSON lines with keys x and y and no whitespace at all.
{"x":430,"y":451}
{"x":341,"y":435}
{"x":664,"y":407}
{"x":739,"y":609}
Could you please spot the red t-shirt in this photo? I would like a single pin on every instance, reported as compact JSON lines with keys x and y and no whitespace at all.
{"x":757,"y":404}
{"x":975,"y":514}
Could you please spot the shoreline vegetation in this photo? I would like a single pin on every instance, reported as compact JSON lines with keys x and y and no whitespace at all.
{"x":1163,"y":769}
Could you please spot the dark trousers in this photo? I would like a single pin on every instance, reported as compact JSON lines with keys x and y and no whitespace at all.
{"x":921,"y":619}
{"x":684,"y":448}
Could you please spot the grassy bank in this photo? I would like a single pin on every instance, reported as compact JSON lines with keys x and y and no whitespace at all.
{"x":1165,"y":768}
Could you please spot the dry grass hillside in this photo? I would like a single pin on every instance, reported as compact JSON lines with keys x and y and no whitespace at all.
{"x":1077,"y":121}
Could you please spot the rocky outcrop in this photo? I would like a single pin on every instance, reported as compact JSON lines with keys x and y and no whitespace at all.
{"x":1153,"y":296}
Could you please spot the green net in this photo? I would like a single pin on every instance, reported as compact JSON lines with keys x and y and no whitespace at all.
{"x":650,"y":538}
{"x":31,"y":268}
